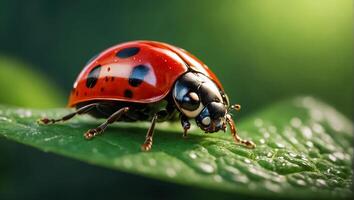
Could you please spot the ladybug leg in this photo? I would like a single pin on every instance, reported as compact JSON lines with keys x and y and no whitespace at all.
{"x":80,"y":111}
{"x":100,"y":129}
{"x":185,"y":124}
{"x":237,"y":138}
{"x":146,"y":146}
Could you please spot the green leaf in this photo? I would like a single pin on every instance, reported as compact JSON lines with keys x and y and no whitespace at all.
{"x":304,"y":149}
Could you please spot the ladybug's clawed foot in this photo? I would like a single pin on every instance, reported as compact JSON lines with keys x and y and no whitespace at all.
{"x":250,"y":144}
{"x":91,"y":133}
{"x":185,"y":134}
{"x":147,"y":145}
{"x":45,"y":121}
{"x":246,"y":143}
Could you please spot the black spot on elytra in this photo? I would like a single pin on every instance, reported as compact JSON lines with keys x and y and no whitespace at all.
{"x":128,"y":93}
{"x":127,"y":52}
{"x":106,"y":78}
{"x":93,"y":76}
{"x":137,"y":75}
{"x":112,"y":78}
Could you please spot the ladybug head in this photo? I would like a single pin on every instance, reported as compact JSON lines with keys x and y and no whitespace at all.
{"x":198,"y":97}
{"x":212,"y":118}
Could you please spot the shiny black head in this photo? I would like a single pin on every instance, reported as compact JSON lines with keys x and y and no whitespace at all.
{"x":198,"y":97}
{"x":212,"y":117}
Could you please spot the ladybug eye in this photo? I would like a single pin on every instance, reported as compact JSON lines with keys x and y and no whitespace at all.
{"x":191,"y":105}
{"x":185,"y":96}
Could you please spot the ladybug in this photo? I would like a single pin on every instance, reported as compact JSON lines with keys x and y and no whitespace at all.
{"x":150,"y":81}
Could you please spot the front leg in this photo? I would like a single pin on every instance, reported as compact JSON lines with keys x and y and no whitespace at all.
{"x":111,"y":119}
{"x":146,"y":146}
{"x":237,"y":138}
{"x":185,"y":124}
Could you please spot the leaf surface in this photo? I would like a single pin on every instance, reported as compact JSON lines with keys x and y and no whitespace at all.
{"x":304,"y":149}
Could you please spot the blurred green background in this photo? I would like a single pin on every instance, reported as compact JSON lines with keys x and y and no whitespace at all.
{"x":262,"y":51}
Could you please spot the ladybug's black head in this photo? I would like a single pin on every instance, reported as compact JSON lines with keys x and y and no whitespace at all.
{"x":198,"y":97}
{"x":212,"y":117}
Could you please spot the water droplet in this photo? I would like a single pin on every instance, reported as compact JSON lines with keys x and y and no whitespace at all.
{"x":316,"y":114}
{"x":241,"y":179}
{"x":218,"y":178}
{"x":207,"y":168}
{"x":332,"y":157}
{"x":278,"y":179}
{"x":317,"y":128}
{"x":266,"y":135}
{"x":269,"y":154}
{"x":22,"y":113}
{"x":272,"y":129}
{"x":170,"y":172}
{"x":308,"y":102}
{"x":272,"y":187}
{"x":295,"y":122}
{"x":293,"y":140}
{"x":321,"y":183}
{"x":262,"y":130}
{"x":306,"y":132}
{"x":334,"y":121}
{"x":309,"y":144}
{"x":279,"y":145}
{"x":192,"y":155}
{"x":28,"y":113}
{"x":339,"y":155}
{"x":258,"y":173}
{"x":262,"y":141}
{"x":301,"y":182}
{"x":292,"y":154}
{"x":303,"y":157}
{"x":248,"y":161}
{"x":258,"y":122}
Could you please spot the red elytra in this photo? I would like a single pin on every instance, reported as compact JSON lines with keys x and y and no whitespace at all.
{"x":165,"y":63}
